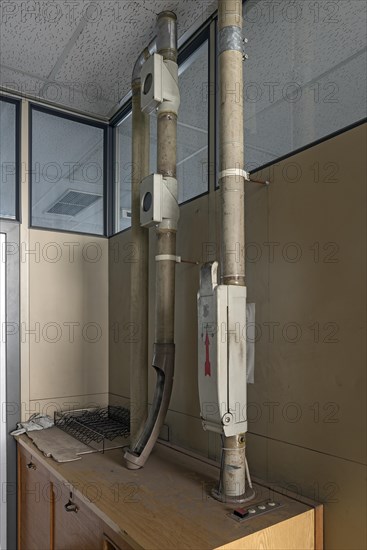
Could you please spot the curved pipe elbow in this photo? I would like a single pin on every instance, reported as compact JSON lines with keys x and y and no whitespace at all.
{"x":145,"y":54}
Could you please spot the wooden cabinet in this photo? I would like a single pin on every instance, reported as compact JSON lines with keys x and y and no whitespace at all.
{"x":97,"y":504}
{"x":76,"y":527}
{"x":35,"y":503}
{"x":52,"y":517}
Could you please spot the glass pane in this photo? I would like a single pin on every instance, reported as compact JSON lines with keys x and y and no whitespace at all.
{"x":8,"y":160}
{"x":123,"y":173}
{"x":67,"y":174}
{"x":192,"y":139}
{"x":193,"y":127}
{"x":305,"y":77}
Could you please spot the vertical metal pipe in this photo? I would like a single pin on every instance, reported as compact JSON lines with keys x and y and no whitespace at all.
{"x":167,"y":166}
{"x":233,"y":471}
{"x":139,"y":269}
{"x":232,"y":142}
{"x":164,"y":348}
{"x":166,"y":234}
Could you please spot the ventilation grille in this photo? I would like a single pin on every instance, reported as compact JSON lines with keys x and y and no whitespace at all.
{"x":73,"y":202}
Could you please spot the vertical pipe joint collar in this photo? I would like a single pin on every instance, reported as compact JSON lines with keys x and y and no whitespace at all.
{"x":230,"y":39}
{"x":171,"y":102}
{"x":167,"y":35}
{"x":170,"y":208}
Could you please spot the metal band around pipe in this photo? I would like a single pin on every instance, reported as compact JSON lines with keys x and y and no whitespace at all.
{"x":168,"y":257}
{"x":230,"y":39}
{"x":234,"y":172}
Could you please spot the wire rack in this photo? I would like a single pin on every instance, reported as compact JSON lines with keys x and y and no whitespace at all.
{"x":101,"y":429}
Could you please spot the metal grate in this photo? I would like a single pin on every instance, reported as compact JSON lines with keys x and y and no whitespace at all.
{"x":73,"y":202}
{"x":102,"y":429}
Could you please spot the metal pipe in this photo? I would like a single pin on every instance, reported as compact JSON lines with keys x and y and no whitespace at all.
{"x":164,"y":348}
{"x":231,"y":141}
{"x":233,"y":469}
{"x":139,"y":269}
{"x":166,"y":36}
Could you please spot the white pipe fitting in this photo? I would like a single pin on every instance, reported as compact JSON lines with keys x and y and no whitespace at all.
{"x":171,"y":91}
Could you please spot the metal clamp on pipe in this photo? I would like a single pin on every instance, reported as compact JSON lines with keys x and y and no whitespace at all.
{"x":158,"y":202}
{"x":234,"y":172}
{"x":241,"y":173}
{"x":160,"y":85}
{"x":168,"y":257}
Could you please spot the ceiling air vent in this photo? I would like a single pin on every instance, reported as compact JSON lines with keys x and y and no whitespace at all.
{"x":72,"y":203}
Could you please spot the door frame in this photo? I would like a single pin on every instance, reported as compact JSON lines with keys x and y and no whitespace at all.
{"x":10,"y":334}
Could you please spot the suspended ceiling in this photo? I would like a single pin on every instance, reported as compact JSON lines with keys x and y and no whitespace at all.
{"x":79,"y":53}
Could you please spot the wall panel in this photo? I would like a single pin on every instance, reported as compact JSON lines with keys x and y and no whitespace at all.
{"x":67,"y":329}
{"x":307,"y":406}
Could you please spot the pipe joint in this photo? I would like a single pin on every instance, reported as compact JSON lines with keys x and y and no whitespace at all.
{"x":158,"y":202}
{"x":160,"y":89}
{"x":230,"y":39}
{"x":167,"y":35}
{"x":170,"y":208}
{"x":237,"y":172}
{"x":171,"y":101}
{"x":145,"y":54}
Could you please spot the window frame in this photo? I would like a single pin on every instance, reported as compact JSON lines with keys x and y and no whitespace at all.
{"x":17,"y":103}
{"x":120,"y":116}
{"x":189,"y":48}
{"x":106,"y":172}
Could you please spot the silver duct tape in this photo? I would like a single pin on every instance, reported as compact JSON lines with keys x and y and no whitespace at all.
{"x":230,"y":38}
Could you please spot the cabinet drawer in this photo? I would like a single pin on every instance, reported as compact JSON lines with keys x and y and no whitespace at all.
{"x":34,"y":503}
{"x":76,"y":527}
{"x":112,"y":541}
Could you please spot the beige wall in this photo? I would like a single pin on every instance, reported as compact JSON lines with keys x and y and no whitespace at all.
{"x":307,"y":406}
{"x":68,"y":317}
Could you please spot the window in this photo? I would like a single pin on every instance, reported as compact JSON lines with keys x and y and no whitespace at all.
{"x":193,"y":126}
{"x":306,"y":74}
{"x":9,"y":164}
{"x":67,"y":179}
{"x":123,"y":136}
{"x":192,"y":139}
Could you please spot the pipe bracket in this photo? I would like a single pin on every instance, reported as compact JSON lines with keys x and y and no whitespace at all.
{"x":168,"y":258}
{"x":234,"y":172}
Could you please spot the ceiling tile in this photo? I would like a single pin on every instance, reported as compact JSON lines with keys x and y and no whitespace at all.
{"x":34,"y":34}
{"x":103,"y":56}
{"x":75,"y":97}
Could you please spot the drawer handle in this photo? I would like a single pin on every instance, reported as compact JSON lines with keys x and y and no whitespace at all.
{"x":71,"y":507}
{"x":31,"y":466}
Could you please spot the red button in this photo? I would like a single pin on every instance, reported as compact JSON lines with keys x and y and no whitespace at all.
{"x":241,"y":512}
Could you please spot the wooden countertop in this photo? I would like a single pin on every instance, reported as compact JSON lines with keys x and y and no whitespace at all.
{"x":167,"y":504}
